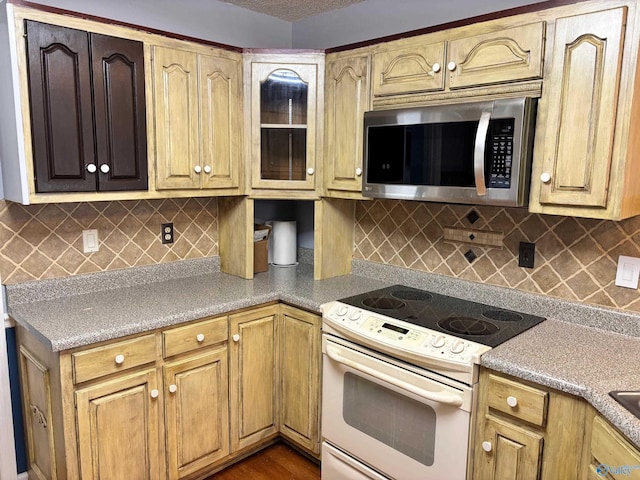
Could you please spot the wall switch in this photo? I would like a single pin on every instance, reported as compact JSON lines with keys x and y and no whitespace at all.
{"x":167,"y":233}
{"x":90,"y":241}
{"x":526,"y":254}
{"x":628,"y":272}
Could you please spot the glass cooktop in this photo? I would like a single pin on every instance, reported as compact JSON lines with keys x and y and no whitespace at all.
{"x":472,"y":321}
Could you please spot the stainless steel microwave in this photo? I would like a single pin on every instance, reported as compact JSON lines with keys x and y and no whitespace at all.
{"x":473,"y":153}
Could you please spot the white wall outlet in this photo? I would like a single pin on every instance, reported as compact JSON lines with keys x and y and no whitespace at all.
{"x":628,"y":272}
{"x":90,"y":241}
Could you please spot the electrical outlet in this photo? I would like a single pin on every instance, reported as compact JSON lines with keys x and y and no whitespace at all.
{"x":526,"y":254}
{"x":90,"y":242}
{"x":167,"y":233}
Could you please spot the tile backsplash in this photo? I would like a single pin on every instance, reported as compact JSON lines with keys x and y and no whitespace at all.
{"x":575,"y":258}
{"x":45,"y":241}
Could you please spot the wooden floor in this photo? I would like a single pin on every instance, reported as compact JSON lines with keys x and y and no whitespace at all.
{"x":277,"y":462}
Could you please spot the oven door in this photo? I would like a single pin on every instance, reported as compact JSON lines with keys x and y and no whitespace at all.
{"x":402,"y":421}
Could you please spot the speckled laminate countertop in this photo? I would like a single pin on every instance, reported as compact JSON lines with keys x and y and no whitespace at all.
{"x":583,"y":350}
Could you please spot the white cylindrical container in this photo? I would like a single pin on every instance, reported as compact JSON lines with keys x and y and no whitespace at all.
{"x":285,"y":246}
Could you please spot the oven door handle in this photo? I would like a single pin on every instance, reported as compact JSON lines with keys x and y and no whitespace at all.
{"x":443,"y":397}
{"x":479,"y":153}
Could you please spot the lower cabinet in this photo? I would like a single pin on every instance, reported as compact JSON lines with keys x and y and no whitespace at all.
{"x":611,"y":456}
{"x":177,"y":403}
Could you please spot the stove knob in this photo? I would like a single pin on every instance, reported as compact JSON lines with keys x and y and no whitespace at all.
{"x":438,"y":341}
{"x":457,"y":346}
{"x":355,"y":315}
{"x":342,"y":311}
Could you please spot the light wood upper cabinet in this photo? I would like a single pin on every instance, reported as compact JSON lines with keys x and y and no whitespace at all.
{"x":575,"y":164}
{"x":252,"y":376}
{"x":346,"y":100}
{"x":454,"y":59}
{"x":198,"y":119}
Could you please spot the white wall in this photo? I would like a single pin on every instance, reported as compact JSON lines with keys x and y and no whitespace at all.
{"x":206,"y":19}
{"x":378,"y":18}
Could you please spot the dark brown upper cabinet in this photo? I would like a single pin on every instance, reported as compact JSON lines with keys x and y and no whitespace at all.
{"x":88,"y":115}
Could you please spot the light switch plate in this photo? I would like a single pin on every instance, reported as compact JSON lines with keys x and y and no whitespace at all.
{"x":90,"y":241}
{"x":628,"y":272}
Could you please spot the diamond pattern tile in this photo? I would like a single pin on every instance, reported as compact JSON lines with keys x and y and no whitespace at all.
{"x":575,"y":258}
{"x":45,"y":241}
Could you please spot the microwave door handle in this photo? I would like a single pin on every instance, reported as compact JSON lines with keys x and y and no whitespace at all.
{"x":479,"y":153}
{"x":443,"y":397}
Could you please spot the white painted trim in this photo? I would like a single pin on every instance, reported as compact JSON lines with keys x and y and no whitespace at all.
{"x":8,"y":467}
{"x":23,"y":476}
{"x":8,"y":321}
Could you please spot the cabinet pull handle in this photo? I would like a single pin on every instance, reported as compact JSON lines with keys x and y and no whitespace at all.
{"x":200,"y":337}
{"x":512,"y":401}
{"x":236,"y":337}
{"x":451,"y":66}
{"x":197,"y":169}
{"x":310,"y":171}
{"x":436,"y":67}
{"x":173,"y":388}
{"x":358,"y":172}
{"x":207,"y":169}
{"x":154,"y":393}
{"x":91,"y":168}
{"x":545,"y":177}
{"x":119,"y":359}
{"x":104,"y":168}
{"x":486,"y":446}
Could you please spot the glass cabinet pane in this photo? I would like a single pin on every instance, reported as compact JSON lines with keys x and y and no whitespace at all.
{"x":283,"y":126}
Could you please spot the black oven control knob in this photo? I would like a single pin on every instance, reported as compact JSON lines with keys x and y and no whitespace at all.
{"x":438,"y":341}
{"x":457,"y":346}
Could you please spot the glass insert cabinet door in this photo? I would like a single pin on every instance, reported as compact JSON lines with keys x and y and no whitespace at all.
{"x":284,"y":99}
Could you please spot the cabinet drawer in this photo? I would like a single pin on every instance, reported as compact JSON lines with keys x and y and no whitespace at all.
{"x":100,"y":361}
{"x":529,"y":404}
{"x":194,"y":336}
{"x":612,"y":450}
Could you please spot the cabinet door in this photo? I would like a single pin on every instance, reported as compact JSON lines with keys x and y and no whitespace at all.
{"x":417,"y":68}
{"x":197,"y":412}
{"x":61,"y":108}
{"x":220,"y":120}
{"x":505,"y":56}
{"x":175,"y":98}
{"x":283,"y":125}
{"x":118,"y":428}
{"x":300,"y":352}
{"x":120,"y":113}
{"x":252,"y":370}
{"x":507,"y":452}
{"x":579,"y":103}
{"x":346,"y":100}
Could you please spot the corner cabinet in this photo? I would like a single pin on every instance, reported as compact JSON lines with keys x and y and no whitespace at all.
{"x":586,"y":155}
{"x":347,"y":97}
{"x":285,"y":112}
{"x":198,"y":118}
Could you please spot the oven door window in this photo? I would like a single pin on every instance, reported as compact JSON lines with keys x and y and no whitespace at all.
{"x":399,"y":422}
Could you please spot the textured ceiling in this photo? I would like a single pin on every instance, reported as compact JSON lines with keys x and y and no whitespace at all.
{"x":292,"y":10}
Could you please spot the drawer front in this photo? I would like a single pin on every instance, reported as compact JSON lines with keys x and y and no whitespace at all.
{"x":520,"y":401}
{"x":100,"y":361}
{"x":615,"y":455}
{"x":194,"y":336}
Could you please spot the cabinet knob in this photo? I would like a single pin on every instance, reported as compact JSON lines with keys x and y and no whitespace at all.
{"x":545,"y":177}
{"x":358,"y":171}
{"x":154,"y":393}
{"x":104,"y":168}
{"x":91,"y":168}
{"x":119,"y":359}
{"x":512,"y":401}
{"x":173,"y":388}
{"x":436,"y":67}
{"x":451,"y":66}
{"x":197,"y":169}
{"x":207,"y":169}
{"x":200,"y":337}
{"x":486,"y":446}
{"x":236,"y":337}
{"x":310,"y":171}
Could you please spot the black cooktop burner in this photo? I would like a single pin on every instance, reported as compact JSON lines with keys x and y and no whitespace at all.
{"x":472,"y":321}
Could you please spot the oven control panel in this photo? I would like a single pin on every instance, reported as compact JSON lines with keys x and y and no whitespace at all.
{"x":399,"y":336}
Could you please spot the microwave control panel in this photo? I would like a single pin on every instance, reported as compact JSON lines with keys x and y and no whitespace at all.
{"x":501,"y":152}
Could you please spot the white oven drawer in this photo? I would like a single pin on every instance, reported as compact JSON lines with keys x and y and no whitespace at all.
{"x":406,"y":423}
{"x":336,"y":465}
